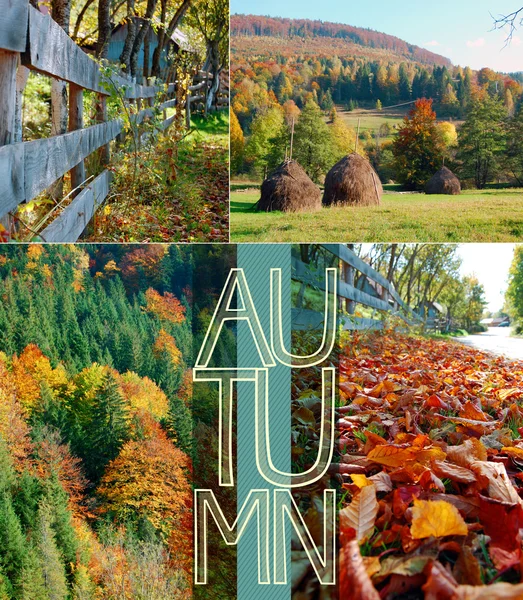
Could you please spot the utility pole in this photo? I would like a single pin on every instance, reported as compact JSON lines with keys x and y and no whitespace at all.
{"x":292,"y":138}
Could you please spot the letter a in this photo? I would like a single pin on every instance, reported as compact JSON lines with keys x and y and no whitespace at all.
{"x":245,"y":311}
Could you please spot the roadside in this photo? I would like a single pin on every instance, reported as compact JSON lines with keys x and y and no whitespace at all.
{"x":496,"y":340}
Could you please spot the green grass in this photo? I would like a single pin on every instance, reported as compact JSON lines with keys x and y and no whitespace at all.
{"x":369,"y":121}
{"x":475,"y":216}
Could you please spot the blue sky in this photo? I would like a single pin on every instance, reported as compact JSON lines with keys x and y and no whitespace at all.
{"x":459,"y":29}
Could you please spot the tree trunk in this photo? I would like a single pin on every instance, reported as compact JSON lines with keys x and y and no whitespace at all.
{"x":140,"y":36}
{"x":146,"y":58}
{"x":80,"y":18}
{"x":157,"y":54}
{"x":165,"y":36}
{"x":61,"y":13}
{"x":104,"y":28}
{"x":132,"y":26}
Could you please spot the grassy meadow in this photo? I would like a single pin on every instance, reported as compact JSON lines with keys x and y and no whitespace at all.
{"x":490,"y":215}
{"x":372,"y":120}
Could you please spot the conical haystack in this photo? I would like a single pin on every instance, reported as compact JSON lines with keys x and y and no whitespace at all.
{"x":443,"y":182}
{"x":289,"y":189}
{"x":352,"y":182}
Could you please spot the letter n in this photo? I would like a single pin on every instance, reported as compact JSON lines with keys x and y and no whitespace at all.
{"x":256,"y":502}
{"x":324,"y":565}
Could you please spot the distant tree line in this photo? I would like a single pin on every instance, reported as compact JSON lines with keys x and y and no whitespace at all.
{"x":254,"y":25}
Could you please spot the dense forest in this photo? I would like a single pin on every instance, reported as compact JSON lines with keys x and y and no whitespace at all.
{"x":97,"y":432}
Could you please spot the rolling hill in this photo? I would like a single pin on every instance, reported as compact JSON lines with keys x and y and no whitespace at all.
{"x":259,"y":34}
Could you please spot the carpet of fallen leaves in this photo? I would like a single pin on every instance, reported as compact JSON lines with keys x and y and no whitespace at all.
{"x":174,"y":192}
{"x":431,"y":466}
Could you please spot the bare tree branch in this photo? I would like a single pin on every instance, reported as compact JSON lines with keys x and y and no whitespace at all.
{"x":513,"y":21}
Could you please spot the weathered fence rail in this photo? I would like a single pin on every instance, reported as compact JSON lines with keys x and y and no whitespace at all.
{"x":30,"y":39}
{"x":371,"y":290}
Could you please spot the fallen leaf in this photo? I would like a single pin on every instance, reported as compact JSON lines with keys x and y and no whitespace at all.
{"x":355,"y":582}
{"x":361,"y":513}
{"x":360,"y":480}
{"x":436,"y":518}
{"x":453,"y":472}
{"x":499,"y":485}
{"x":391,"y":456}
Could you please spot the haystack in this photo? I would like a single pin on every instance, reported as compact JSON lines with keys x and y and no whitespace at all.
{"x":443,"y":182}
{"x":352,"y":182}
{"x":289,"y":189}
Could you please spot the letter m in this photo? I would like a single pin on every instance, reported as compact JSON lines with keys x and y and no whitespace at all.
{"x":205,"y":502}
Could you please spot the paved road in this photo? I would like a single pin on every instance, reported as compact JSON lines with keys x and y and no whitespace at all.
{"x":496,"y":340}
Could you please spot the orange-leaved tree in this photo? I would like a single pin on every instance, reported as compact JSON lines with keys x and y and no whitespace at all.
{"x":166,"y":307}
{"x":148,"y":480}
{"x":417,"y":149}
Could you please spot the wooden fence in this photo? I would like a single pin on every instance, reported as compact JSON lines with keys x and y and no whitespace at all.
{"x":369,"y":289}
{"x":33,"y":40}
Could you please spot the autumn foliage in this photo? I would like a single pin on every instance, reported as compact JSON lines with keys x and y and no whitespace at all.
{"x":149,"y":479}
{"x":166,"y":307}
{"x":431,"y":443}
{"x":95,"y":499}
{"x":417,"y":149}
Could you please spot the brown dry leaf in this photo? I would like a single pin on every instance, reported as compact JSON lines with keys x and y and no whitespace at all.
{"x":508,"y":393}
{"x":382,"y":481}
{"x":499,"y":485}
{"x":372,"y":564}
{"x":361,"y":513}
{"x":440,"y":584}
{"x":355,"y":582}
{"x":470,"y":451}
{"x":467,"y":570}
{"x":470,"y":411}
{"x":436,"y":518}
{"x":404,"y":565}
{"x":304,"y":416}
{"x":453,"y":472}
{"x":496,"y":591}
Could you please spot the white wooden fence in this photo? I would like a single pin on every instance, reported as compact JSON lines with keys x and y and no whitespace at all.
{"x":33,"y":40}
{"x":373,"y":290}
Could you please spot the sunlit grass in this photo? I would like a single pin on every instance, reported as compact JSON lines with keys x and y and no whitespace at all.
{"x":475,"y":216}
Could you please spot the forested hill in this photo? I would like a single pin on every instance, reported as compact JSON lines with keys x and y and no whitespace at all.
{"x":97,"y":430}
{"x":274,"y":27}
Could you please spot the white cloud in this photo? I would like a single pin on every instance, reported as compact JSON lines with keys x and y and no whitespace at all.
{"x":433,"y":43}
{"x":479,"y":43}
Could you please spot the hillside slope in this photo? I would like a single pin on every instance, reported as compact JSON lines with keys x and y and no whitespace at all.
{"x":343,"y":40}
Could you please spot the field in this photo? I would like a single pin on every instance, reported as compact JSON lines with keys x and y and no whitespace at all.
{"x":475,"y":216}
{"x":372,"y":120}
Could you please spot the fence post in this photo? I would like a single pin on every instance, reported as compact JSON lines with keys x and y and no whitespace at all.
{"x":76,"y":121}
{"x":21,"y":80}
{"x":206,"y":87}
{"x":349,"y":276}
{"x":8,"y":65}
{"x":188,"y":109}
{"x":101,"y":117}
